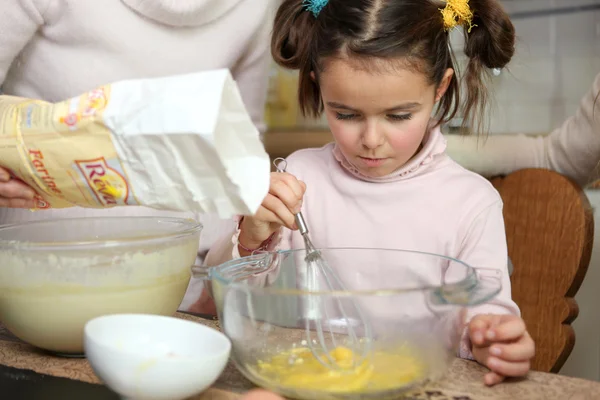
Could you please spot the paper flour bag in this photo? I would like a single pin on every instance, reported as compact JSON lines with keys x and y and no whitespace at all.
{"x":181,"y":143}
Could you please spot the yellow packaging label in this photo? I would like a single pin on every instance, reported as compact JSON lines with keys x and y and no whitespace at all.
{"x":64,"y":151}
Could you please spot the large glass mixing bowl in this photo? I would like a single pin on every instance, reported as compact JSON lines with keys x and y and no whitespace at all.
{"x":406,"y":310}
{"x":55,"y":275}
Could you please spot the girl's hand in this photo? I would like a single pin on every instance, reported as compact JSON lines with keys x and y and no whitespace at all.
{"x":277,"y":209}
{"x":501,"y":343}
{"x":14,"y":193}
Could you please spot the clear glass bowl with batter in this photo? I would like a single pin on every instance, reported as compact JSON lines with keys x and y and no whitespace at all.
{"x":55,"y":275}
{"x":412,"y":308}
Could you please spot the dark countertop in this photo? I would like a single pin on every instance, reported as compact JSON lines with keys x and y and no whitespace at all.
{"x":28,"y":385}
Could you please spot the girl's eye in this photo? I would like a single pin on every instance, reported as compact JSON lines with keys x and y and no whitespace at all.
{"x":344,"y":116}
{"x":399,"y":117}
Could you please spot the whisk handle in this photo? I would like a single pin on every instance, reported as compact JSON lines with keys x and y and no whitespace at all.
{"x":301,"y":224}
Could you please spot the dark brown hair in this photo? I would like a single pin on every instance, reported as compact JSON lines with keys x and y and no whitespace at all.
{"x":411,"y":30}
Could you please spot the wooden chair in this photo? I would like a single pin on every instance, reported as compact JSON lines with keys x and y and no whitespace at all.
{"x":550,"y":232}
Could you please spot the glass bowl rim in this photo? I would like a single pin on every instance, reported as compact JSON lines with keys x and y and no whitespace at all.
{"x":188,"y":227}
{"x":467,"y":283}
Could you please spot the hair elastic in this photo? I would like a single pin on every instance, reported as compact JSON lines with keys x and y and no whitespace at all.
{"x":457,"y":12}
{"x":314,"y":6}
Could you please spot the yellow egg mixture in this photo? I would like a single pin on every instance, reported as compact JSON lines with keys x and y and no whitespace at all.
{"x":382,"y":371}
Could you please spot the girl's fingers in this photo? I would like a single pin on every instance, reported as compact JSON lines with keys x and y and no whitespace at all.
{"x":303,"y":186}
{"x":479,"y":326}
{"x":521,"y":350}
{"x":485,"y":330}
{"x":492,"y":378}
{"x":276,"y":211}
{"x":508,"y":368}
{"x":297,"y":187}
{"x":265,"y":215}
{"x":511,"y":328}
{"x":286,"y":194}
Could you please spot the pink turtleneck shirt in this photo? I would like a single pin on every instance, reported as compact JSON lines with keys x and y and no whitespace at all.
{"x":431,"y":204}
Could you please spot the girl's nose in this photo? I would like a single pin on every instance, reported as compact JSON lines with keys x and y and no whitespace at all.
{"x":372,"y":137}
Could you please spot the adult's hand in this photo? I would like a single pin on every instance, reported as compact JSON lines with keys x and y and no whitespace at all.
{"x":14,"y":193}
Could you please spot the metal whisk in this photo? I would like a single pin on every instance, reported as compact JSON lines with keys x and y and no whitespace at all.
{"x":316,"y":267}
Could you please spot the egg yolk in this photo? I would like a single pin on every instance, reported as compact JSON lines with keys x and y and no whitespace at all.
{"x":300,"y":369}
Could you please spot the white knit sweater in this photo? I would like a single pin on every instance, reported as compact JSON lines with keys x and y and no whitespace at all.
{"x":56,"y":49}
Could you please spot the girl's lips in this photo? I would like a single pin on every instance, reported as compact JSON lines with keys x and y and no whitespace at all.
{"x":372,"y":162}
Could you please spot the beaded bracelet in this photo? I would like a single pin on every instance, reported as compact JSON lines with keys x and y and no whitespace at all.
{"x":262,"y":247}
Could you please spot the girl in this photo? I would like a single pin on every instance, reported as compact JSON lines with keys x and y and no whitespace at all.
{"x":56,"y":49}
{"x":573,"y":149}
{"x":379,"y":69}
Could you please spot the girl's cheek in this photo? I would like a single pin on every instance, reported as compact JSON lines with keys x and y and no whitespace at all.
{"x":408,"y":138}
{"x":344,"y":131}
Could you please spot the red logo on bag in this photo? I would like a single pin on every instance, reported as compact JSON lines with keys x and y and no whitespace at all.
{"x":107,"y":184}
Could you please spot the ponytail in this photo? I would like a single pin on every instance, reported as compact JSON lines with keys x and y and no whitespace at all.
{"x":290,"y":43}
{"x":489,"y":44}
{"x":292,"y":47}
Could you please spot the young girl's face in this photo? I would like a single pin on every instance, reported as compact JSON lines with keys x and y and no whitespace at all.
{"x":378,"y":117}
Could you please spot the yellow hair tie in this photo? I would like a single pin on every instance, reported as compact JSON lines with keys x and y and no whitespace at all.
{"x":457,"y":12}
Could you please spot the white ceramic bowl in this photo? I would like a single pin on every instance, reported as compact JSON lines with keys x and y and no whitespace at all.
{"x":153,"y":357}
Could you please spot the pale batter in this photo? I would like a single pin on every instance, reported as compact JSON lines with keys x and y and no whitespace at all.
{"x":46,"y":299}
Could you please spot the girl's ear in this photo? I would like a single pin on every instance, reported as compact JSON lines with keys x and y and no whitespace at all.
{"x":443,"y":86}
{"x":312,"y":76}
